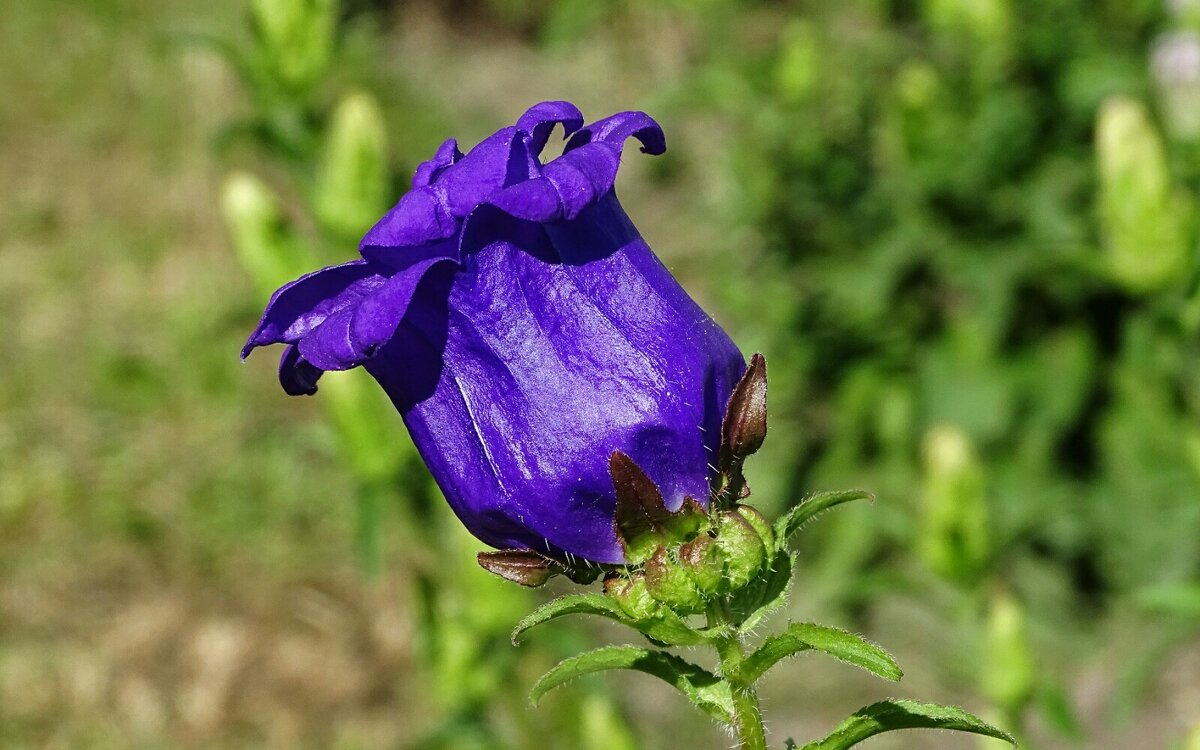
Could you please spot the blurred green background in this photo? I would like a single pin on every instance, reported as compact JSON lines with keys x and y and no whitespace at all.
{"x":963,"y":232}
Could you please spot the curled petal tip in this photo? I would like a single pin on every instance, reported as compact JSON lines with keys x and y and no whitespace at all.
{"x":618,"y":128}
{"x":446,"y":155}
{"x":540,"y":119}
{"x":296,"y":375}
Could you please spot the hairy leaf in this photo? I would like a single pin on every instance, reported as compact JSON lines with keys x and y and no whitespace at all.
{"x":807,"y":636}
{"x":664,"y":626}
{"x":890,"y":715}
{"x":790,"y":522}
{"x":702,"y":688}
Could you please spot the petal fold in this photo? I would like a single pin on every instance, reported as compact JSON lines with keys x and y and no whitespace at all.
{"x":301,"y":305}
{"x":354,"y":334}
{"x":447,"y":154}
{"x":298,"y":377}
{"x":567,"y":186}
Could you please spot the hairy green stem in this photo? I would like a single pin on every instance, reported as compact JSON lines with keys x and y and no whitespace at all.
{"x":747,"y":718}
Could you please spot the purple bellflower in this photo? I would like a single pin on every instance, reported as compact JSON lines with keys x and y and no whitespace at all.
{"x":524,"y":331}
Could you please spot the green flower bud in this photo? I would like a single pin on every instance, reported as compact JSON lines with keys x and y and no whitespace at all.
{"x":703,"y":559}
{"x":265,"y":247}
{"x":670,"y":583}
{"x":1007,"y":676}
{"x":743,"y":549}
{"x":1142,"y":219}
{"x":954,"y":535}
{"x":296,"y":38}
{"x":759,"y":522}
{"x":352,"y":185}
{"x":798,"y":68}
{"x":631,"y":595}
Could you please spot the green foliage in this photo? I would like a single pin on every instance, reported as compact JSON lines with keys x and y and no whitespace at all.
{"x":888,"y":716}
{"x":840,"y":644}
{"x":730,"y":695}
{"x":704,"y":689}
{"x":661,"y":625}
{"x":811,"y":507}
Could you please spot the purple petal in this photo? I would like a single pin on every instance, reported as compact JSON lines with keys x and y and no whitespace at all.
{"x":353,"y":335}
{"x":446,"y":155}
{"x":615,"y":130}
{"x":540,"y":119}
{"x":301,"y":305}
{"x":434,"y":212}
{"x":376,"y":318}
{"x":298,"y":377}
{"x":568,"y":185}
{"x":421,"y":217}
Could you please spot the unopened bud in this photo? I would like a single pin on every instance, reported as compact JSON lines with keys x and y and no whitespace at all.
{"x":296,"y":37}
{"x":954,"y":535}
{"x":743,"y":548}
{"x":671,"y":584}
{"x":352,"y":184}
{"x":265,"y":247}
{"x":1142,"y":220}
{"x":759,"y":522}
{"x":1008,"y":667}
{"x":631,"y":595}
{"x":704,"y":561}
{"x":745,"y":424}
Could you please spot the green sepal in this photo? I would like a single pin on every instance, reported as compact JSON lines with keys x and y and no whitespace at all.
{"x":790,"y":522}
{"x":664,"y":626}
{"x":704,"y":689}
{"x":890,"y":715}
{"x":807,"y":636}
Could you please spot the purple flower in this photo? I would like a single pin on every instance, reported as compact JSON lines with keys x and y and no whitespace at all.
{"x":525,"y":331}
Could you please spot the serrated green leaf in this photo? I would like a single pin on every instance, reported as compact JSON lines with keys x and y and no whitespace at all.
{"x":587,"y":604}
{"x":807,"y":636}
{"x":664,"y":626}
{"x":801,"y":514}
{"x":889,"y":715}
{"x":704,"y":689}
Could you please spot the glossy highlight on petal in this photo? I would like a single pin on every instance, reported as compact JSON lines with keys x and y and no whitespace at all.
{"x":525,"y":331}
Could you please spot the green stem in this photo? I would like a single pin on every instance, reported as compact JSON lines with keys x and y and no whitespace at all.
{"x":747,"y":718}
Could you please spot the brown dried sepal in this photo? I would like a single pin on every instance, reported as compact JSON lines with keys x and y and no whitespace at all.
{"x":522,"y":566}
{"x":641,"y":518}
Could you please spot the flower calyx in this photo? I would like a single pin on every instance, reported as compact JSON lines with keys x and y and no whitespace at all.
{"x":642,"y":521}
